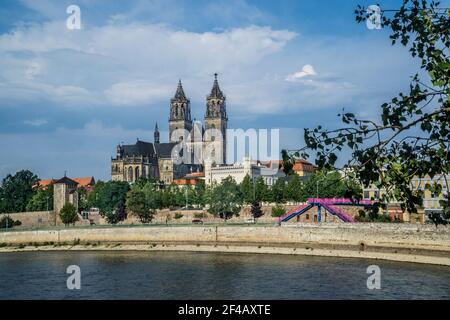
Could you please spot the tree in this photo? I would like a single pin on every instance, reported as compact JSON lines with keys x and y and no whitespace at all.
{"x":294,"y":188}
{"x":110,"y":198}
{"x":329,"y":184}
{"x":255,"y":210}
{"x":278,"y":191}
{"x":42,"y":200}
{"x":17,"y":190}
{"x":261,"y":190}
{"x":246,"y":188}
{"x":197,"y":193}
{"x":225,"y":199}
{"x":138,"y":205}
{"x":83,"y":200}
{"x":411,"y":136}
{"x":278,"y":211}
{"x":68,"y":214}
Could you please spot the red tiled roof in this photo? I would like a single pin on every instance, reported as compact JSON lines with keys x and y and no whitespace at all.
{"x":82,"y":182}
{"x":195,"y":175}
{"x":184,"y":182}
{"x":47,"y":182}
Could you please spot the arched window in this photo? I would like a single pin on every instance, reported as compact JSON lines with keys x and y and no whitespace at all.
{"x":136,"y":176}
{"x":130,"y":174}
{"x":144,"y":172}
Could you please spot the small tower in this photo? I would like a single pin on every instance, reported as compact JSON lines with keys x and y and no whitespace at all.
{"x":216,"y":116}
{"x":156,"y":134}
{"x":180,"y":114}
{"x":119,"y":150}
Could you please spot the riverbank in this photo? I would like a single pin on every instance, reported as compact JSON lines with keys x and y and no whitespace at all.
{"x":396,"y":242}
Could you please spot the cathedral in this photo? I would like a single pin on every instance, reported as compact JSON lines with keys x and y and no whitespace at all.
{"x":191,"y":141}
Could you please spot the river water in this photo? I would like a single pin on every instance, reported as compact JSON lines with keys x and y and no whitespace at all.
{"x":186,"y":275}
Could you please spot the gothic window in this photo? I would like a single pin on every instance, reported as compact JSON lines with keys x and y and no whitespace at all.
{"x":130,"y":174}
{"x":136,"y":176}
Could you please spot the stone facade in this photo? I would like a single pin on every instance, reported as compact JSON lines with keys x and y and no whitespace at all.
{"x":161,"y":161}
{"x":64,"y":191}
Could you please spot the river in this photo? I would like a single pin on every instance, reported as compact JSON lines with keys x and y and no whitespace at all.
{"x":186,"y":275}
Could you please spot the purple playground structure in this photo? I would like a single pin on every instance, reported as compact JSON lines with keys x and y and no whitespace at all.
{"x":329,"y":204}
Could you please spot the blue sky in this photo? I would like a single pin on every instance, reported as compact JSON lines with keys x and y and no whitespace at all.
{"x":68,"y":97}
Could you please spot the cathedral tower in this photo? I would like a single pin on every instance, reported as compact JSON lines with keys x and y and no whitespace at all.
{"x":180,"y":114}
{"x":216,"y":118}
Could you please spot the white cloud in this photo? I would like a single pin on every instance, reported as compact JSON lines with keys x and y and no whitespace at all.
{"x":307,"y":70}
{"x":137,"y":92}
{"x":141,"y":68}
{"x":33,"y":69}
{"x":36,"y":122}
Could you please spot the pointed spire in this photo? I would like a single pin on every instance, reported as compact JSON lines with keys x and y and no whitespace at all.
{"x":215,"y":91}
{"x":179,"y":94}
{"x":156,"y":134}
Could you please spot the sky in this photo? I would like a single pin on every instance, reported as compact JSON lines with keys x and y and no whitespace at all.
{"x":68,"y":97}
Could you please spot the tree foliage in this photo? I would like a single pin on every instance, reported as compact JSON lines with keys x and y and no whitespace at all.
{"x":225,"y":199}
{"x":110,"y":198}
{"x":42,"y":200}
{"x":68,"y":214}
{"x":255,"y":210}
{"x":139,"y":204}
{"x":411,"y":136}
{"x":16,"y":191}
{"x":247,"y":189}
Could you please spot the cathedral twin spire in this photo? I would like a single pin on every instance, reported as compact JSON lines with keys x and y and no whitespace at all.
{"x":215,"y":107}
{"x":216,"y":93}
{"x":179,"y":94}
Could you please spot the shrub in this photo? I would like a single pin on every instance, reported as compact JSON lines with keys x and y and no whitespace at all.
{"x":68,"y":214}
{"x":278,"y":211}
{"x":17,"y":223}
{"x":6,"y":222}
{"x":178,"y":215}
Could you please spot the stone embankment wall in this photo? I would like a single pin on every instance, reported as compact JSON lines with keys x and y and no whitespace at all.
{"x":38,"y":219}
{"x":32,"y":219}
{"x":403,"y":242}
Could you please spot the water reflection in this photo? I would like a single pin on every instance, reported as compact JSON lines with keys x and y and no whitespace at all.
{"x":181,"y":275}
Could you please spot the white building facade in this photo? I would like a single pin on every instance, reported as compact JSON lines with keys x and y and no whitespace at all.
{"x":214,"y":174}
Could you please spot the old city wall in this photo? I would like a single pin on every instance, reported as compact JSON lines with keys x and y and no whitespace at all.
{"x":370,"y":235}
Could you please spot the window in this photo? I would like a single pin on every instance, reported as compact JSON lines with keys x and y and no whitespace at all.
{"x":366,"y":195}
{"x":130,"y":174}
{"x":136,"y":176}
